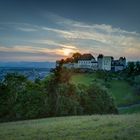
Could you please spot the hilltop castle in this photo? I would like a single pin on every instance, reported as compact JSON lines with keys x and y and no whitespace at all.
{"x":87,"y":61}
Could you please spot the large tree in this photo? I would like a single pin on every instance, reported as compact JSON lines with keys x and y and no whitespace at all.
{"x":76,"y":56}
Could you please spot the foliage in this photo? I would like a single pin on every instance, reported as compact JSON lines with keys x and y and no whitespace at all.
{"x":122,"y":91}
{"x":54,"y":96}
{"x":133,"y":69}
{"x":136,"y":83}
{"x":133,"y":76}
{"x":76,"y":56}
{"x":67,"y":102}
{"x":95,"y":99}
{"x":10,"y":88}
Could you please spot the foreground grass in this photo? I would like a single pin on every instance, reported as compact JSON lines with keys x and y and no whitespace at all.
{"x":121,"y":91}
{"x":96,"y":127}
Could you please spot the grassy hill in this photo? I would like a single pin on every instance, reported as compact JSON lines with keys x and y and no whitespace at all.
{"x":98,"y":127}
{"x":121,"y":90}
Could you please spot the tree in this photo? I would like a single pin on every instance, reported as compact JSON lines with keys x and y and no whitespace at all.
{"x":50,"y":86}
{"x":76,"y":56}
{"x":54,"y":96}
{"x":96,"y":100}
{"x":136,"y":83}
{"x":137,"y":68}
{"x":130,"y":68}
{"x":11,"y":87}
{"x":68,"y":60}
{"x":32,"y":102}
{"x":67,"y":101}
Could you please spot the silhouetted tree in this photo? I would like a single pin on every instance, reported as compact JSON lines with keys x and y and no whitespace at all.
{"x":76,"y":56}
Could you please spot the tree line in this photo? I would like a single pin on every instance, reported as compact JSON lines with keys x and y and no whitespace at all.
{"x":53,"y":96}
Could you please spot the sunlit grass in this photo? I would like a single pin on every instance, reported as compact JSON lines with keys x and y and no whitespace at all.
{"x":105,"y":127}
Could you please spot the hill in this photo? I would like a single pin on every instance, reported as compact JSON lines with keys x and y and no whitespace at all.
{"x":121,"y":90}
{"x":99,"y":127}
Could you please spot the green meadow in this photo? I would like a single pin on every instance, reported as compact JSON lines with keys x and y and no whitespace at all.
{"x":94,"y":127}
{"x":121,"y":90}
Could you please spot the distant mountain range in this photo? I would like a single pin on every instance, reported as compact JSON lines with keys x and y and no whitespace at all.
{"x":28,"y":64}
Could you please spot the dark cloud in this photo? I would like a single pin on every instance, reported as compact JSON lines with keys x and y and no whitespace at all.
{"x":119,"y":13}
{"x":111,"y":24}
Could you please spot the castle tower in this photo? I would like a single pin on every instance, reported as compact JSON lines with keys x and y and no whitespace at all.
{"x":100,"y":61}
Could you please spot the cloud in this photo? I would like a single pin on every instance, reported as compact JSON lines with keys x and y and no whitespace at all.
{"x":102,"y":27}
{"x":70,"y":36}
{"x":61,"y":52}
{"x":26,"y":29}
{"x":29,"y":53}
{"x":63,"y":32}
{"x":54,"y":43}
{"x":103,"y":38}
{"x":29,"y":49}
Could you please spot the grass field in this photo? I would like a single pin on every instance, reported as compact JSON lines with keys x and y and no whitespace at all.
{"x":85,"y":79}
{"x":96,"y":127}
{"x":119,"y":89}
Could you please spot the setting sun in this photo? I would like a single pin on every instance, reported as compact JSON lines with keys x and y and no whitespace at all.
{"x":67,"y":52}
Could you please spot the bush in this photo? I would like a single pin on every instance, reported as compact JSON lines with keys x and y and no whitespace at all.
{"x":96,"y":100}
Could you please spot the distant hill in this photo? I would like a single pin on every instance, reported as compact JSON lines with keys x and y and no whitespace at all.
{"x":28,"y":64}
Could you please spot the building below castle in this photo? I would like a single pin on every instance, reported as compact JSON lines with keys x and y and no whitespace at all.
{"x":87,"y":61}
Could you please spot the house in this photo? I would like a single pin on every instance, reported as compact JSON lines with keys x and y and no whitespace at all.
{"x":118,"y":65}
{"x":87,"y":61}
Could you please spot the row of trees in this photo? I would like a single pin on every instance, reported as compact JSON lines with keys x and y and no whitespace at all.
{"x":73,"y":58}
{"x":54,"y":96}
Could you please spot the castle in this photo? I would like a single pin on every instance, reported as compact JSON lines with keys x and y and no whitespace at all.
{"x":87,"y":61}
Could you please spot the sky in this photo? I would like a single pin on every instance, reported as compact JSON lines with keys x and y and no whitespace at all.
{"x":48,"y":30}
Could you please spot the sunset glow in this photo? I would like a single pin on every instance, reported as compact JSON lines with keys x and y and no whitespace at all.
{"x":51,"y":35}
{"x":67,"y":52}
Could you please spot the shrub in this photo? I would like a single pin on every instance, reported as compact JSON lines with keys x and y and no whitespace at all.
{"x":96,"y":100}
